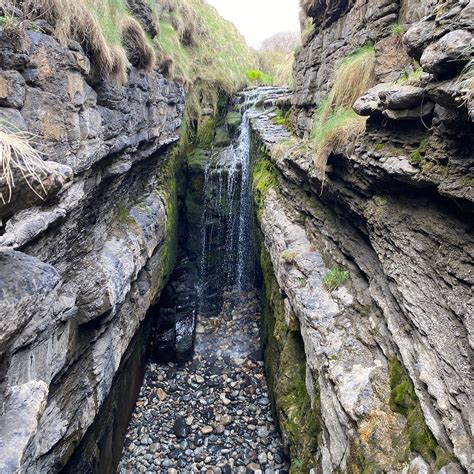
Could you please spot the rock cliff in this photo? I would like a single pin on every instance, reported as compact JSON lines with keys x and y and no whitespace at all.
{"x":84,"y":257}
{"x":371,"y":261}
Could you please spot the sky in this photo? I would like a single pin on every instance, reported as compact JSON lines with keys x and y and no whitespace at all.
{"x":259,"y":19}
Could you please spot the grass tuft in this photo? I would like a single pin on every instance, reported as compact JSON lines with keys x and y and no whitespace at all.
{"x":17,"y":154}
{"x":335,"y":123}
{"x":336,"y":277}
{"x":398,"y":30}
{"x":138,"y":47}
{"x":106,"y":30}
{"x":353,"y":77}
{"x":334,"y":130}
{"x":411,"y":76}
{"x":288,"y":256}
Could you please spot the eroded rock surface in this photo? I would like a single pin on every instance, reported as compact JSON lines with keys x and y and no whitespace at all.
{"x":387,"y":349}
{"x":81,"y":264}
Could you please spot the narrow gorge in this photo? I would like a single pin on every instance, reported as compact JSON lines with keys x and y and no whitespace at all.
{"x":208,"y":267}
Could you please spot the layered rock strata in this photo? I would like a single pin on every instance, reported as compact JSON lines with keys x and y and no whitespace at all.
{"x":388,"y":347}
{"x":81,"y":264}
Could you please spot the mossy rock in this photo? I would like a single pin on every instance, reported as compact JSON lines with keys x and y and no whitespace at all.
{"x":234,"y":120}
{"x":300,"y":422}
{"x":205,"y":133}
{"x":222,"y":137}
{"x":403,"y":400}
{"x":197,"y":160}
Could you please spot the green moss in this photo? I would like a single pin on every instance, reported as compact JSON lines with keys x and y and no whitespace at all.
{"x":283,"y":118}
{"x":233,"y":121}
{"x":467,"y":181}
{"x":300,"y":421}
{"x":379,"y":147}
{"x":417,"y":156}
{"x":222,"y":137}
{"x":123,"y":215}
{"x":168,"y":184}
{"x":264,"y":179}
{"x":198,"y":159}
{"x":285,"y":364}
{"x":205,"y":133}
{"x":302,"y":282}
{"x":403,"y":400}
{"x":289,"y":257}
{"x":380,"y":201}
{"x":336,"y":277}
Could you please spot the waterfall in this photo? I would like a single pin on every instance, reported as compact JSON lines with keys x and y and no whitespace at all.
{"x":245,"y":248}
{"x":227,"y":251}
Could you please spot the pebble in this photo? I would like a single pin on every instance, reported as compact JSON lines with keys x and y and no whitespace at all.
{"x":161,"y":394}
{"x":217,"y":416}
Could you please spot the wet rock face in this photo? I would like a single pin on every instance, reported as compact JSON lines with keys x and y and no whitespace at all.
{"x":80,"y":268}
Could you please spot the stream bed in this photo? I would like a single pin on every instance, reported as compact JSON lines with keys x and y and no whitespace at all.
{"x":210,"y":410}
{"x":211,"y":414}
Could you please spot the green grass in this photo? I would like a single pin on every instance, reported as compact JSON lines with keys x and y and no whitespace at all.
{"x":336,"y":277}
{"x":108,"y":14}
{"x":8,"y":22}
{"x":257,"y":77}
{"x":397,"y":29}
{"x":411,"y":76}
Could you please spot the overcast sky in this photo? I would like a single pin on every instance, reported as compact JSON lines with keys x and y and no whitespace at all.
{"x":259,"y":19}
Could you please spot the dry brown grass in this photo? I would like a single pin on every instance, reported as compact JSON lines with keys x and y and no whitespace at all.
{"x":79,"y":20}
{"x":336,"y":125}
{"x":337,"y":132}
{"x":17,"y":155}
{"x":106,"y":30}
{"x":140,"y":53}
{"x":354,"y":76}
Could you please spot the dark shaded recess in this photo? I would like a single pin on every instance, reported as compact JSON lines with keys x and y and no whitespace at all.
{"x":101,"y":448}
{"x":174,"y":316}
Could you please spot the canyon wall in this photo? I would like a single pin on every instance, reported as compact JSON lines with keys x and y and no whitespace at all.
{"x":384,"y":353}
{"x":85,"y":253}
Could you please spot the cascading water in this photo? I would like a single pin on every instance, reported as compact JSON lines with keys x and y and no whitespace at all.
{"x":227,"y":210}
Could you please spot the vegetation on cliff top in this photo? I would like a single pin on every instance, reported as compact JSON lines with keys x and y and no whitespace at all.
{"x":190,"y":40}
{"x":107,"y":31}
{"x":277,"y":55}
{"x":207,"y":51}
